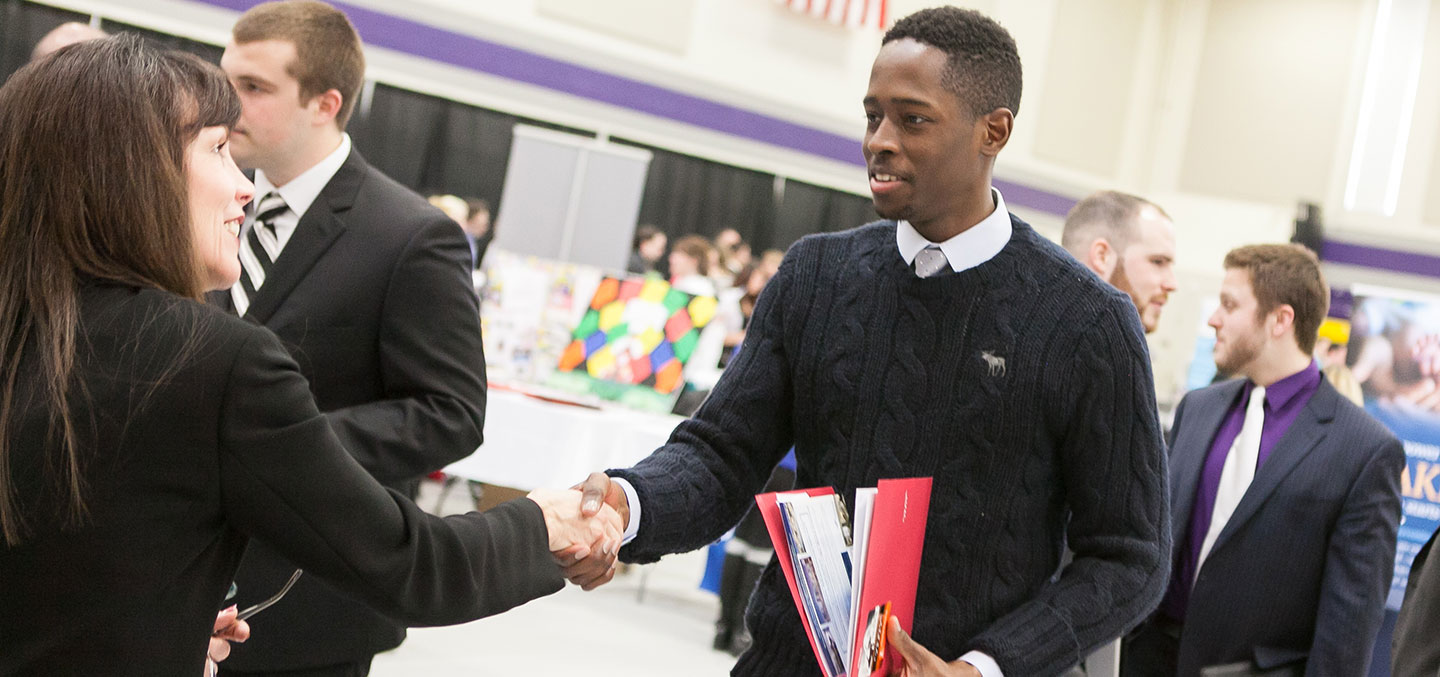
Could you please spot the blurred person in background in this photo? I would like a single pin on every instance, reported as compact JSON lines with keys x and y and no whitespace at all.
{"x":690,"y":261}
{"x":717,"y":272}
{"x":64,"y":35}
{"x":459,"y":211}
{"x":478,"y":228}
{"x":737,"y":306}
{"x":770,"y":261}
{"x":734,"y":252}
{"x":454,"y":207}
{"x":1331,"y":350}
{"x":647,"y":250}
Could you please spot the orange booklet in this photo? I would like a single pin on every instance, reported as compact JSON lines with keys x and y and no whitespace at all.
{"x":884,"y":577}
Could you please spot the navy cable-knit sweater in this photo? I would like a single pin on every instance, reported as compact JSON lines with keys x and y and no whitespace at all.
{"x":1022,"y":386}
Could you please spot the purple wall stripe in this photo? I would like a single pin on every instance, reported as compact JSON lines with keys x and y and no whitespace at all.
{"x":1365,"y":256}
{"x":472,"y":53}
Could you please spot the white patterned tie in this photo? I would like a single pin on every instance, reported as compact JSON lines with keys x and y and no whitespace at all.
{"x":930,"y":261}
{"x":1238,"y":472}
{"x":258,"y":251}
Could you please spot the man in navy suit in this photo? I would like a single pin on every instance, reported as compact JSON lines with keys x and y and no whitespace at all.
{"x":1285,"y":497}
{"x":368,"y":286}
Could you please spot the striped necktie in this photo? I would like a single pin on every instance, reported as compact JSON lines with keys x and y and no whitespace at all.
{"x":258,"y":251}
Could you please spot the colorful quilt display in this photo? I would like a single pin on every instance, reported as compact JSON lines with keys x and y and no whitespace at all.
{"x":637,"y":334}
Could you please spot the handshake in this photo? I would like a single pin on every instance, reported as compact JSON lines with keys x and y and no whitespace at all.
{"x":585,"y":525}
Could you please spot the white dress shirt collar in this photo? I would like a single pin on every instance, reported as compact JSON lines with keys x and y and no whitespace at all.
{"x":302,"y":191}
{"x":970,"y":248}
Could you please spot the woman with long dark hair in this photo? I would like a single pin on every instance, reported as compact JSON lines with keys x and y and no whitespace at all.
{"x":145,"y":437}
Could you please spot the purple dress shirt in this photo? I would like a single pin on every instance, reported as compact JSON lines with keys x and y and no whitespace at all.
{"x":1283,"y":402}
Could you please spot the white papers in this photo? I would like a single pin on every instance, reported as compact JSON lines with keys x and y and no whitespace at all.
{"x":864,"y":510}
{"x":817,"y":528}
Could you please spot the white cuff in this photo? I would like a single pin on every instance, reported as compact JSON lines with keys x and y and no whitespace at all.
{"x":984,"y":663}
{"x":632,"y":528}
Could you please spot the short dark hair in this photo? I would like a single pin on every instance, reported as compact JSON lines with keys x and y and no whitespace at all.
{"x":1288,"y":274}
{"x":698,"y":248}
{"x":644,"y":233}
{"x":982,"y":64}
{"x":328,"y":54}
{"x":476,"y":205}
{"x":1109,"y":214}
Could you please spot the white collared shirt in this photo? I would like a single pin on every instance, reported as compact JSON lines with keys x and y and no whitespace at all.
{"x":972,"y":247}
{"x":300,"y":192}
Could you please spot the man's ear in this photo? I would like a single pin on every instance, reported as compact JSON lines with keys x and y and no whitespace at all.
{"x":327,"y":105}
{"x":1284,"y":316}
{"x":994,"y":128}
{"x":1102,"y":258}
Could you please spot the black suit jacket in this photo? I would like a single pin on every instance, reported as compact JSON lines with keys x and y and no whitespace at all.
{"x":1302,"y":568}
{"x":372,"y":296}
{"x":198,"y":433}
{"x":1416,"y":648}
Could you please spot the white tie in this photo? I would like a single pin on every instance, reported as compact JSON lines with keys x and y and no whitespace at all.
{"x":1238,"y":472}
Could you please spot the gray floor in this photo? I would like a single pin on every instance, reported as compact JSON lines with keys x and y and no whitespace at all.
{"x":610,"y":631}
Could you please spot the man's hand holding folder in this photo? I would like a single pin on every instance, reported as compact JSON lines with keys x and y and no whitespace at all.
{"x":917,"y":661}
{"x":884,"y":567}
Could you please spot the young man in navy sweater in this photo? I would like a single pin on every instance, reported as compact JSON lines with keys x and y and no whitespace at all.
{"x":948,"y":341}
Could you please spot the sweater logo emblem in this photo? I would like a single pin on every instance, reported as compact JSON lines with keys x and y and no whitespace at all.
{"x":995,"y":362}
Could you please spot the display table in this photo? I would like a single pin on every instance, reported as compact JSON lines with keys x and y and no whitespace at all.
{"x":532,"y":443}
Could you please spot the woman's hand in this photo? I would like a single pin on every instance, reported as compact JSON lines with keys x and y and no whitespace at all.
{"x":571,"y":531}
{"x":227,"y":630}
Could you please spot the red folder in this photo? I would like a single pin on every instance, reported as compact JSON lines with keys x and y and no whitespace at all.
{"x":892,"y":564}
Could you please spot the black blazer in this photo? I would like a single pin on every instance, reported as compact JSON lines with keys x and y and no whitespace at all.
{"x":373,"y":297}
{"x":1416,"y":648}
{"x":198,"y":432}
{"x":1304,"y":565}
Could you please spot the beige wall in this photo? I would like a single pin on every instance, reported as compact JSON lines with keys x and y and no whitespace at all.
{"x":1269,"y":98}
{"x":665,"y":24}
{"x":1082,"y":119}
{"x":1232,"y":100}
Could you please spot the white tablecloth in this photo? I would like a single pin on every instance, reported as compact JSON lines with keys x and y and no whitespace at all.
{"x":532,"y":443}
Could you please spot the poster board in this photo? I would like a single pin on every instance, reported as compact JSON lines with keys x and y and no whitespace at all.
{"x":632,"y":343}
{"x":528,"y":308}
{"x":1393,"y":352}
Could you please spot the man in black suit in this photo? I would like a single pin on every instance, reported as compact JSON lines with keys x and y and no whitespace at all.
{"x":367,"y":285}
{"x":1415,"y":650}
{"x":1285,"y":497}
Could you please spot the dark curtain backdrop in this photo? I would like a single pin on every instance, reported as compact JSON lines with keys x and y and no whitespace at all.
{"x":685,"y":195}
{"x":807,"y":208}
{"x":435,"y":145}
{"x":22,"y":24}
{"x":396,"y":134}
